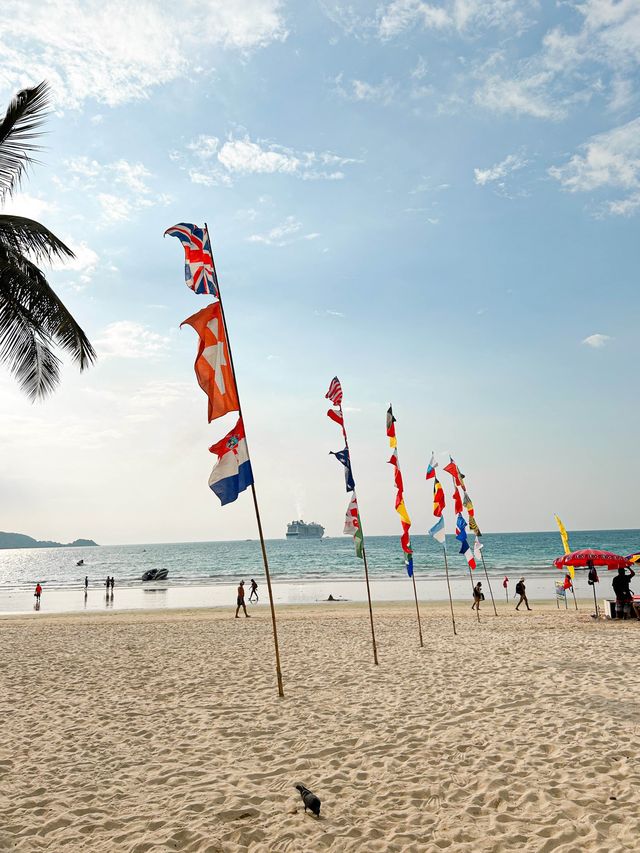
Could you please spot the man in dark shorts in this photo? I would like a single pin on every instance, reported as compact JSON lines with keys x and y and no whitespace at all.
{"x":521,"y":590}
{"x":624,"y":598}
{"x":240,"y":601}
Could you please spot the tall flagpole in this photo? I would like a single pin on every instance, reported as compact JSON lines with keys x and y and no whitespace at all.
{"x":364,"y":553}
{"x":446,"y":569}
{"x":400,"y":497}
{"x":364,"y":550}
{"x":253,"y":488}
{"x":486,"y":574}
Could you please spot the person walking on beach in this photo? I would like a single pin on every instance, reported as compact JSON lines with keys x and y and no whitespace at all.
{"x":240,"y":601}
{"x":624,"y":597}
{"x":254,"y":590}
{"x":38,"y":592}
{"x":113,"y":580}
{"x":521,"y":590}
{"x":107,"y":583}
{"x":86,"y":582}
{"x":478,"y":596}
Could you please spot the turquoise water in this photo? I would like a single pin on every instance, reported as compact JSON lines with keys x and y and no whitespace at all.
{"x":198,"y":563}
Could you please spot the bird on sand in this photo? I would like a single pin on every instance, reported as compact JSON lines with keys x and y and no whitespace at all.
{"x":309,"y":799}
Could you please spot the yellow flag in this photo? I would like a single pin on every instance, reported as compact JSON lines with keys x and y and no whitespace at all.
{"x":565,"y":541}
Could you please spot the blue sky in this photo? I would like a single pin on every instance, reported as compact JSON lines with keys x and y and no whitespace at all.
{"x":437,"y":202}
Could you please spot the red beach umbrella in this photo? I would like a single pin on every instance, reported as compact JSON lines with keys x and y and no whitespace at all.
{"x":598,"y":558}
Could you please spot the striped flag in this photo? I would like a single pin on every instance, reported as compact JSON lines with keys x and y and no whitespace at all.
{"x":199,"y":271}
{"x":431,"y":467}
{"x":335,"y":392}
{"x":352,"y":525}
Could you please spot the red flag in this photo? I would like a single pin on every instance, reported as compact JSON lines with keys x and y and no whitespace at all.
{"x":457,"y":501}
{"x":213,"y":364}
{"x":505,"y":582}
{"x":336,"y":416}
{"x":452,"y":469}
{"x":567,"y":582}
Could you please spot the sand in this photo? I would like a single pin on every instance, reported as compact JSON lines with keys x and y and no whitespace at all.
{"x":163,"y":732}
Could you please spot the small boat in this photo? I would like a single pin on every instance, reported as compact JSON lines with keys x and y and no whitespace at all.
{"x":155,"y":575}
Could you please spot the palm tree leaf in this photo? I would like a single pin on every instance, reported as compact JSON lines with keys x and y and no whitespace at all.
{"x":23,"y":284}
{"x":26,"y":235}
{"x":18,"y":130}
{"x":23,"y":345}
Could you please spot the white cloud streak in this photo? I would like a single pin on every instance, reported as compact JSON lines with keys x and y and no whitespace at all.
{"x":596,"y":341}
{"x":114,"y":51}
{"x":130,"y":340}
{"x":501,"y":170}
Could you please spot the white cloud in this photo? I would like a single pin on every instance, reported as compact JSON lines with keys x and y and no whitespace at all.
{"x":596,"y":341}
{"x":609,"y":160}
{"x":360,"y":90}
{"x":24,"y":204}
{"x":127,"y":339}
{"x":120,"y":188}
{"x":523,"y":96}
{"x":510,"y":164}
{"x":115,"y":51}
{"x":283,"y":235}
{"x":240,"y":156}
{"x":459,"y":15}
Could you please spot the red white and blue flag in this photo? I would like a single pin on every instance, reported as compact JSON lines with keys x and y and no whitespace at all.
{"x":199,"y":272}
{"x":335,"y":392}
{"x":232,"y":472}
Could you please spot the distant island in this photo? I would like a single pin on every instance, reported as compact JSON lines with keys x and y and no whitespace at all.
{"x":19,"y":540}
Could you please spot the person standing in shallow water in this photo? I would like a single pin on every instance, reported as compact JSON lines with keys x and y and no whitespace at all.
{"x":521,"y":590}
{"x":240,"y":601}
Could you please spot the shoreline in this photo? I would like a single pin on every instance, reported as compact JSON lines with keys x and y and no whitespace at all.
{"x":166,"y":597}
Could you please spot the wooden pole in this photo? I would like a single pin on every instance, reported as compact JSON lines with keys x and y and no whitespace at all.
{"x":573,"y":592}
{"x":486,"y":574}
{"x":557,"y":602}
{"x":364,"y":553}
{"x":595,"y":600}
{"x":446,"y":569}
{"x":506,"y":593}
{"x":415,"y":595}
{"x":253,"y":492}
{"x":477,"y":609}
{"x":366,"y":577}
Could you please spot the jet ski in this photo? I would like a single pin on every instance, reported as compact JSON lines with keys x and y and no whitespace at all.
{"x":155,"y":575}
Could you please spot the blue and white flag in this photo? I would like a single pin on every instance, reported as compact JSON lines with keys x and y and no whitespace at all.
{"x":437,"y":531}
{"x":343,"y":456}
{"x":232,"y":472}
{"x":408,"y":561}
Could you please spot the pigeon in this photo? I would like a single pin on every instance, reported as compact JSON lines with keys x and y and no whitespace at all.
{"x":309,"y":799}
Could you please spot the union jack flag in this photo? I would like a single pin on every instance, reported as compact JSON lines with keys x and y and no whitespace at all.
{"x":335,"y":392}
{"x":199,"y":271}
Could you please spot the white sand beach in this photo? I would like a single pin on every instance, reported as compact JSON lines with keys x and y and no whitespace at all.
{"x":163,"y":732}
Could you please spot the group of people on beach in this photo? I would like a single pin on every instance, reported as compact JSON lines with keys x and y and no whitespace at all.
{"x":521,"y":590}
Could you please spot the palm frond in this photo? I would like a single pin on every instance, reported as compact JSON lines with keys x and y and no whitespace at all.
{"x":32,"y":320}
{"x":23,"y":345}
{"x":26,"y":235}
{"x":18,"y":130}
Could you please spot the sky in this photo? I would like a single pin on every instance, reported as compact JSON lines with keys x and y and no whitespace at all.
{"x":437,"y":202}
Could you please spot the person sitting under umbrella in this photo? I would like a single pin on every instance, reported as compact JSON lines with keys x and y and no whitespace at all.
{"x":624,"y":598}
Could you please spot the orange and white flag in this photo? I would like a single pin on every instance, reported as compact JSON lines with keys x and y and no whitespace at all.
{"x":213,"y":364}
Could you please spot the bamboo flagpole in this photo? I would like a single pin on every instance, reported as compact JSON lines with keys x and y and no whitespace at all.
{"x":405,"y":521}
{"x":353,"y":522}
{"x":438,"y":531}
{"x":201,"y":277}
{"x":263,"y":546}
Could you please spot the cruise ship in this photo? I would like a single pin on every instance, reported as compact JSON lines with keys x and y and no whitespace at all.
{"x":301,"y":530}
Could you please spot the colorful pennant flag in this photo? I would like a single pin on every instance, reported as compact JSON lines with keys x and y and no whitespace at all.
{"x":461,"y":536}
{"x":431,"y":467}
{"x":405,"y":521}
{"x":232,"y":472}
{"x":565,"y":543}
{"x":438,"y":498}
{"x":457,"y":501}
{"x":437,"y":531}
{"x":213,"y":364}
{"x":199,"y":271}
{"x":343,"y":457}
{"x":452,"y":469}
{"x":352,"y":525}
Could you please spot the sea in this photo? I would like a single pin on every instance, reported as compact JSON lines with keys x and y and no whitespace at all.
{"x":302,"y":570}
